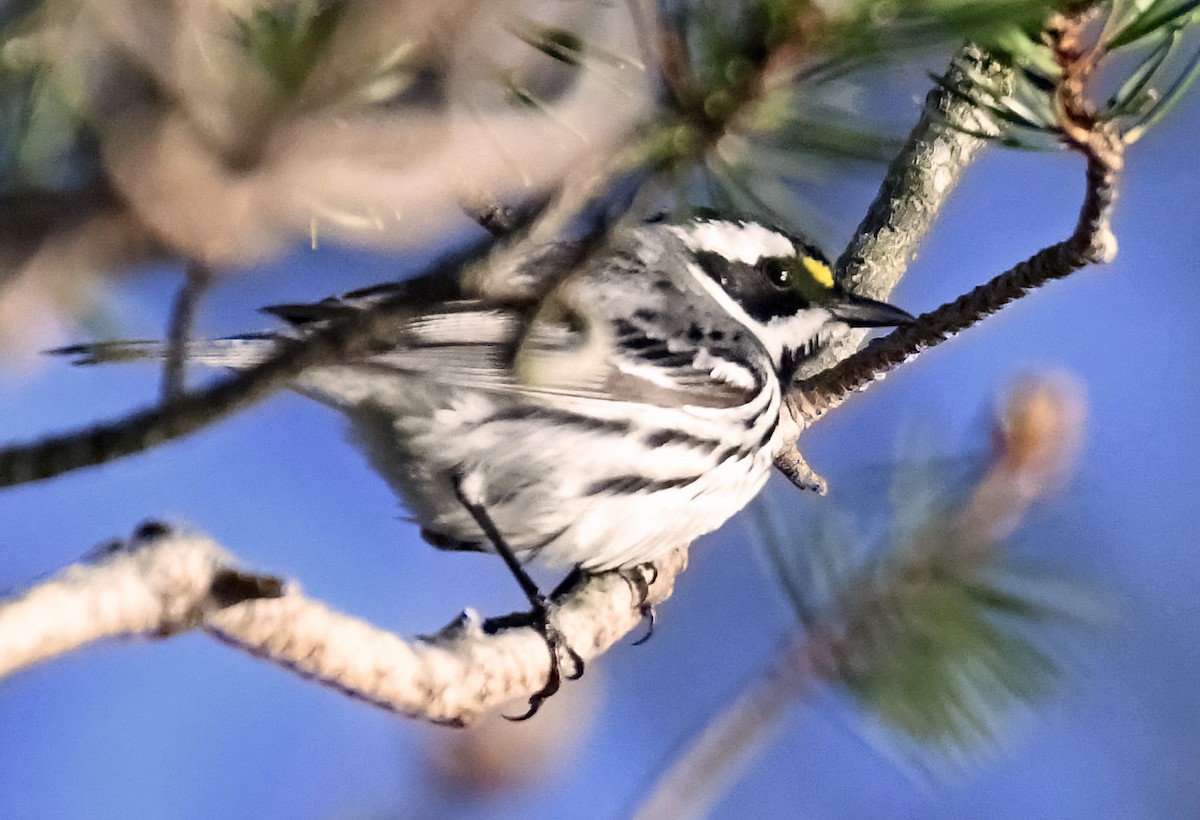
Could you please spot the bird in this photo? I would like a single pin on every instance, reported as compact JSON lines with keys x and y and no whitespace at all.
{"x":627,"y":406}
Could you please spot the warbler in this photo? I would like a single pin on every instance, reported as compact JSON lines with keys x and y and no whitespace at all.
{"x":629,"y":408}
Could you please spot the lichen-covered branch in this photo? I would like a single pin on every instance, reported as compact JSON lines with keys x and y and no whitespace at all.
{"x":1091,"y":242}
{"x":945,"y":142}
{"x":115,"y":591}
{"x":163,"y":583}
{"x":941,"y":146}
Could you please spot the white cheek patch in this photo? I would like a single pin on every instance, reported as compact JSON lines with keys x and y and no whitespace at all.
{"x":745,"y":242}
{"x":789,"y":331}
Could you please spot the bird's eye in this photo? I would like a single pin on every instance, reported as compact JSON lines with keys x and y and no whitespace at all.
{"x":775,"y":271}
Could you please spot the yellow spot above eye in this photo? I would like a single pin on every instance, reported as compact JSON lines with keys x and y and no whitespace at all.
{"x":819,"y":271}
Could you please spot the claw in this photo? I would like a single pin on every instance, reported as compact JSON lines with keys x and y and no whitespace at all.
{"x":556,"y":643}
{"x":649,"y":571}
{"x":639,"y":585}
{"x":576,"y":661}
{"x":640,"y":578}
{"x":648,"y":615}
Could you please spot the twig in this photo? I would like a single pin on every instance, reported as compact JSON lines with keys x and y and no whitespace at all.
{"x":939,"y":149}
{"x":1091,"y":242}
{"x":919,"y":181}
{"x":163,"y":583}
{"x":717,"y":758}
{"x":193,"y":410}
{"x":197,"y":277}
{"x":580,"y":191}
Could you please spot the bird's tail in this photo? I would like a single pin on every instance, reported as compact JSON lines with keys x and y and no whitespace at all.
{"x":239,"y":352}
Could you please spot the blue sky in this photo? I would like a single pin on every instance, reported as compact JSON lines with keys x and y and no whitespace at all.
{"x":187,"y":728}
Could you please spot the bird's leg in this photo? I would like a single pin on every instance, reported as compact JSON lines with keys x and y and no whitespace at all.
{"x":573,"y":579}
{"x":539,"y":615}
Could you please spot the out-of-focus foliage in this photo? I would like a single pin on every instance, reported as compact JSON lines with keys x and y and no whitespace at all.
{"x":225,"y":131}
{"x":287,"y":42}
{"x":1149,"y":46}
{"x":937,"y":631}
{"x":370,"y":123}
{"x":783,"y":79}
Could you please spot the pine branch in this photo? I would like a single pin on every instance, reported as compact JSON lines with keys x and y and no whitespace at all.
{"x":1091,"y":242}
{"x":349,"y":655}
{"x":942,"y":145}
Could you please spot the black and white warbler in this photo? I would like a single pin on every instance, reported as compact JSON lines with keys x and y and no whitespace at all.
{"x":629,"y":410}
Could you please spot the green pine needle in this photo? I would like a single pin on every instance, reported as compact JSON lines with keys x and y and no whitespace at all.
{"x":937,"y":634}
{"x":558,"y":43}
{"x":1152,"y":19}
{"x":287,"y":42}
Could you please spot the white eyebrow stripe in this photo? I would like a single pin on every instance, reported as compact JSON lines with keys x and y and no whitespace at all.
{"x":745,"y":242}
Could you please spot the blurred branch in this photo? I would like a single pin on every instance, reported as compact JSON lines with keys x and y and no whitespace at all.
{"x":585,"y":187}
{"x":163,"y":583}
{"x":193,"y":410}
{"x":197,"y":278}
{"x":717,"y":758}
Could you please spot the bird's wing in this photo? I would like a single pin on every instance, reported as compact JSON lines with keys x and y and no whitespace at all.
{"x":474,"y":345}
{"x":588,"y":339}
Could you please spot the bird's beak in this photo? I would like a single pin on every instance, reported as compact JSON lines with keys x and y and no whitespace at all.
{"x":859,"y":311}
